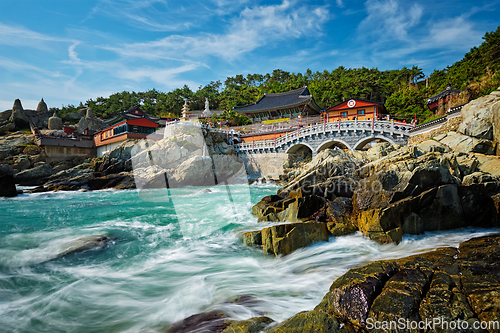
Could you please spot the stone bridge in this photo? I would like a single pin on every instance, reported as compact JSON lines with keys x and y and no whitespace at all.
{"x":350,"y":134}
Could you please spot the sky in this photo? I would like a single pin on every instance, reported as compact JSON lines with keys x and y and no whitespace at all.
{"x":67,"y":52}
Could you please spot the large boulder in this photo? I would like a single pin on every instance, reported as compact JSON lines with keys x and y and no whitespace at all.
{"x":212,"y":321}
{"x":195,"y":171}
{"x":21,"y":163}
{"x":467,"y":144}
{"x":478,"y":117}
{"x":310,"y":322}
{"x":283,"y":239}
{"x":35,"y":176}
{"x":351,"y":296}
{"x":326,"y":164}
{"x":13,"y":144}
{"x":7,"y":186}
{"x":450,"y":284}
{"x":252,"y":325}
{"x":402,"y":293}
{"x":94,"y":242}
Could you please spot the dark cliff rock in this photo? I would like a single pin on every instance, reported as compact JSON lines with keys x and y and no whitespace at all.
{"x":7,"y":186}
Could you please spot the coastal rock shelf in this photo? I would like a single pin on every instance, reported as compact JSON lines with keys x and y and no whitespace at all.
{"x":448,"y":286}
{"x":387,"y":192}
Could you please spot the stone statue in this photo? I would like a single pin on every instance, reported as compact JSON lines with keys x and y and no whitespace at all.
{"x":206,"y":113}
{"x":55,"y":123}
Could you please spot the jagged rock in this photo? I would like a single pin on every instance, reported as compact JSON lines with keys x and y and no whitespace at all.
{"x":310,"y":322}
{"x":403,"y":292}
{"x":212,"y":321}
{"x":6,"y":169}
{"x":477,"y":178}
{"x":252,"y":325}
{"x":301,"y":208}
{"x":18,"y":112}
{"x":35,"y":176}
{"x":445,"y":212}
{"x":21,"y":164}
{"x":7,"y":127}
{"x":7,"y":186}
{"x":196,"y":171}
{"x":338,"y":217}
{"x":15,"y":143}
{"x":477,"y":117}
{"x":89,"y":122}
{"x":478,"y":204}
{"x":326,"y":164}
{"x":95,"y":242}
{"x":283,"y":239}
{"x":445,"y":300}
{"x":466,"y":144}
{"x":449,"y":283}
{"x":350,"y":296}
{"x":413,"y":225}
{"x":109,"y":181}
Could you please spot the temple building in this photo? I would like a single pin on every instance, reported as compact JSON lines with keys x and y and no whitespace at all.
{"x":443,"y":97}
{"x":289,"y":104}
{"x":130,"y":124}
{"x":356,"y":109}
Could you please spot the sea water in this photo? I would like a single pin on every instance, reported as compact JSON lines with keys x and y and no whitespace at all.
{"x":173,"y":253}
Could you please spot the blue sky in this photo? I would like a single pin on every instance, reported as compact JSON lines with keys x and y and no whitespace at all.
{"x":71,"y":51}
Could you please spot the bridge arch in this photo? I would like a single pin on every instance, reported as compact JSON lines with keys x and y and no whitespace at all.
{"x":298,"y":147}
{"x":331,"y":143}
{"x":361,"y":143}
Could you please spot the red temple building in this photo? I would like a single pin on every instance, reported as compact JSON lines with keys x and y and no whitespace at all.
{"x":130,"y":124}
{"x":356,"y":108}
{"x":443,"y":97}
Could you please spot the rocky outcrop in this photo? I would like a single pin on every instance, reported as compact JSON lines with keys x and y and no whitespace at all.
{"x":184,"y":159}
{"x":310,"y":322}
{"x":14,"y":144}
{"x":94,"y":242}
{"x":434,"y":292}
{"x":252,"y":325}
{"x":389,"y":191}
{"x":478,"y":116}
{"x":35,"y":176}
{"x":22,"y":117}
{"x":451,"y":284}
{"x":89,"y":122}
{"x":283,"y":239}
{"x":7,"y":181}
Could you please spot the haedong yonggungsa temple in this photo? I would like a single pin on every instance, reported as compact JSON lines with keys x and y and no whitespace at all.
{"x":280,"y":108}
{"x":285,"y":106}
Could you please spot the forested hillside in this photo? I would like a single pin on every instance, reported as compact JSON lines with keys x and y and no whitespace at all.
{"x":403,"y":90}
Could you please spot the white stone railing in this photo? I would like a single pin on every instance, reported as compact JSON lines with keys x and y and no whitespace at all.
{"x":198,"y":124}
{"x":363,"y":126}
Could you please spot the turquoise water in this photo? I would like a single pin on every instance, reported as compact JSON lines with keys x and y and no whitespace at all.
{"x":173,"y":253}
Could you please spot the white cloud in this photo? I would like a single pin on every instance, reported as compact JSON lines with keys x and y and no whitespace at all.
{"x":253,"y":28}
{"x":388,"y":19}
{"x":456,"y":33}
{"x":19,"y":36}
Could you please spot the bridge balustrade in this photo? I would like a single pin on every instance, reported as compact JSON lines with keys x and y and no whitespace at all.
{"x":366,"y":128}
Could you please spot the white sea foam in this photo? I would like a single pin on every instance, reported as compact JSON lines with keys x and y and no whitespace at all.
{"x":167,"y":260}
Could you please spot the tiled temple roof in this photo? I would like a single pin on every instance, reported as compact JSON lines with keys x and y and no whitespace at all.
{"x":448,"y":91}
{"x":280,"y":101}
